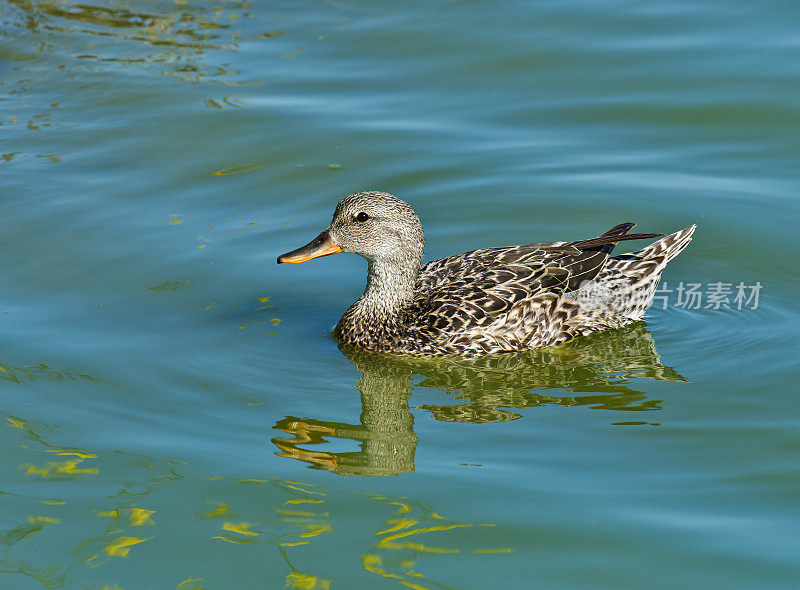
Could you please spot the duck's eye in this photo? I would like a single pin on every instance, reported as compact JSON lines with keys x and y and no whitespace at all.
{"x":362,"y":217}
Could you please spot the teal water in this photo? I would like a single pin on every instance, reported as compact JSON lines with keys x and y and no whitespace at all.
{"x":175,"y":413}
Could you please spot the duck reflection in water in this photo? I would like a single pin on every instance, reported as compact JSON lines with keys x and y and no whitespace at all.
{"x":599,"y":368}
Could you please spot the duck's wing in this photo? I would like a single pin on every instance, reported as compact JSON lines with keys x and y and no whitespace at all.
{"x":473,"y":288}
{"x":508,"y":298}
{"x":557,"y":267}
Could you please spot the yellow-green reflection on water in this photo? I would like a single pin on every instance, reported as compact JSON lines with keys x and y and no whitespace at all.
{"x":258,"y":315}
{"x":237,"y":169}
{"x":171,"y":39}
{"x":184,"y":27}
{"x":68,"y":468}
{"x":604,"y":364}
{"x":169,"y":286}
{"x":43,"y":372}
{"x":128,"y":510}
{"x":405,"y":537}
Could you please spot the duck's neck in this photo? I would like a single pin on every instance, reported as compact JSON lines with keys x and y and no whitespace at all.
{"x":390,"y":286}
{"x":377,"y":318}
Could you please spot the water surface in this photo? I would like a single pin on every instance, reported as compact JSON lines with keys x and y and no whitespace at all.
{"x":175,"y":411}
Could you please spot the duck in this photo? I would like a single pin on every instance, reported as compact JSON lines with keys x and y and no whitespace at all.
{"x":488,"y":301}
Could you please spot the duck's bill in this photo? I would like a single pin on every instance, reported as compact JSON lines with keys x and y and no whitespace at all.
{"x":322,"y":245}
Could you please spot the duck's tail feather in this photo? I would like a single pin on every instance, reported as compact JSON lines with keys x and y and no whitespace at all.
{"x":606,"y":241}
{"x":662,"y":251}
{"x":627,"y":283}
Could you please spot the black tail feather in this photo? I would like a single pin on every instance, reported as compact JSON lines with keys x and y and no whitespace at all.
{"x":611,"y":240}
{"x":619,"y":230}
{"x":606,"y":241}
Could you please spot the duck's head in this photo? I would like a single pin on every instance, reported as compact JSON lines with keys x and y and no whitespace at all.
{"x":375,"y":225}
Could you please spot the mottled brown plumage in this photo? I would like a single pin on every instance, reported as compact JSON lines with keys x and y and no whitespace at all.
{"x":486,"y":301}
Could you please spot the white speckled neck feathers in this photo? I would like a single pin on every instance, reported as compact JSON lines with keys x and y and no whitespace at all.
{"x":390,"y":286}
{"x":379,"y":315}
